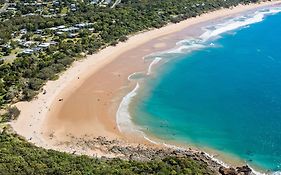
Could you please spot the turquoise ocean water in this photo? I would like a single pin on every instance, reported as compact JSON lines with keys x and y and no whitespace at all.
{"x":221,"y":90}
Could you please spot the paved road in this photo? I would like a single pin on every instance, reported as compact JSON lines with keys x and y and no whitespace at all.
{"x":115,"y":3}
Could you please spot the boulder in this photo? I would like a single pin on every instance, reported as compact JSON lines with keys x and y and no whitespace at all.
{"x":244,"y":170}
{"x":227,"y":171}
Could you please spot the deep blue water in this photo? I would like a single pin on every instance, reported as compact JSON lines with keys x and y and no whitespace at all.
{"x":226,"y":97}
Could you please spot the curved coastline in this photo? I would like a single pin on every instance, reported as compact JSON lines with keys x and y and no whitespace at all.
{"x":228,"y":25}
{"x":38,"y":119}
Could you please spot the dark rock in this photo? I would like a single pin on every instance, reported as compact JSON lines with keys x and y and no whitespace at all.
{"x":227,"y":171}
{"x":245,"y":170}
{"x":114,"y":149}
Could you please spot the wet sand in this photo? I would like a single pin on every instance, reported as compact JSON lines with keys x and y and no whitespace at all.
{"x":84,"y":100}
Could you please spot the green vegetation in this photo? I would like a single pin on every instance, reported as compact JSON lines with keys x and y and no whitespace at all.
{"x":21,"y":78}
{"x":24,"y":77}
{"x":11,"y":114}
{"x":20,"y":157}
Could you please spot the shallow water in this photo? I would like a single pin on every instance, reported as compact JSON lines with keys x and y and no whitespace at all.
{"x":222,"y":90}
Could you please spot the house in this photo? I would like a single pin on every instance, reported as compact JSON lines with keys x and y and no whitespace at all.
{"x":72,"y":35}
{"x":28,"y":43}
{"x":38,"y":4}
{"x":83,"y":25}
{"x":8,"y":46}
{"x":28,"y":51}
{"x":53,"y":43}
{"x":19,"y":41}
{"x":36,"y":49}
{"x":14,"y":34}
{"x":56,"y":3}
{"x":94,"y":1}
{"x":30,"y":14}
{"x":44,"y":45}
{"x":59,"y":33}
{"x":53,"y":28}
{"x":47,"y":44}
{"x":5,"y":46}
{"x":39,"y":11}
{"x":12,"y":4}
{"x":38,"y":31}
{"x":23,"y":31}
{"x":61,"y":27}
{"x":107,"y":2}
{"x":70,"y":29}
{"x":11,"y":9}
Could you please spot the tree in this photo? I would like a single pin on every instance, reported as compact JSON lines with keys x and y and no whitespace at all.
{"x":28,"y":94}
{"x":46,"y":73}
{"x":114,"y":43}
{"x":110,"y":26}
{"x":123,"y":38}
{"x":12,"y":114}
{"x":35,"y":84}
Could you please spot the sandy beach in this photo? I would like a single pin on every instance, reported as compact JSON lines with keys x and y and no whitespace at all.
{"x":84,"y":100}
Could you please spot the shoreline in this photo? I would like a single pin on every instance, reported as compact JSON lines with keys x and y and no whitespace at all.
{"x":225,"y":159}
{"x":39,"y":122}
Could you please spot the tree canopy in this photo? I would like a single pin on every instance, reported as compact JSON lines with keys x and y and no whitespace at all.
{"x":21,"y":157}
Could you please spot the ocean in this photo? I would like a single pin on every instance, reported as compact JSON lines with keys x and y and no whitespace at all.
{"x":221,"y":90}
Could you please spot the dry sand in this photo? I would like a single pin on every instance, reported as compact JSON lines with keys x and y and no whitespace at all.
{"x":92,"y":89}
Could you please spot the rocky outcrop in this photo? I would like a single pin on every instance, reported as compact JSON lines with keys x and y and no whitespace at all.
{"x":139,"y":152}
{"x":227,"y":171}
{"x":244,"y":170}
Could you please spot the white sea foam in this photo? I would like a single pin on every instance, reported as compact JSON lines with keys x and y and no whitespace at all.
{"x":155,"y":61}
{"x":190,"y":41}
{"x":180,"y":148}
{"x":238,"y":22}
{"x":152,"y":141}
{"x":132,"y":75}
{"x":232,"y":25}
{"x":207,"y":154}
{"x":212,"y":32}
{"x":186,"y":48}
{"x":259,"y":173}
{"x":123,"y":118}
{"x":217,"y":160}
